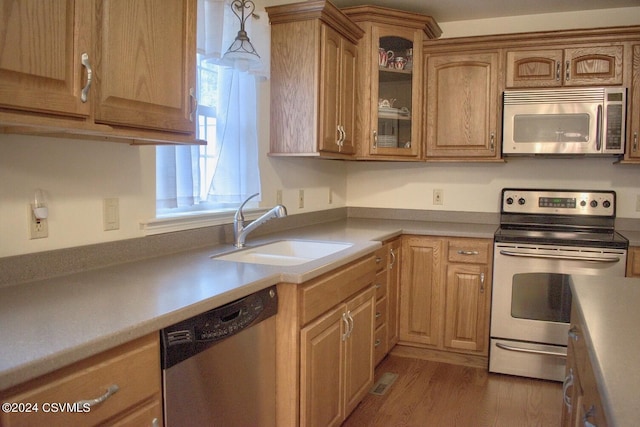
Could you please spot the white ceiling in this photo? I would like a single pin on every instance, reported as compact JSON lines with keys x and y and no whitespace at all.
{"x":462,"y":10}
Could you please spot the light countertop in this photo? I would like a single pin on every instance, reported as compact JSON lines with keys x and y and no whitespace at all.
{"x":48,"y":324}
{"x":612,"y":321}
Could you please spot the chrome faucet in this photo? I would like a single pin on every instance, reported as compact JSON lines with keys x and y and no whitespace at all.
{"x":240,"y":232}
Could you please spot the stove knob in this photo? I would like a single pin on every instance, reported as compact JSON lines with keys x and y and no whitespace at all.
{"x":594,"y":204}
{"x":521,"y":201}
{"x":509,"y":200}
{"x":606,"y":204}
{"x":583,"y":203}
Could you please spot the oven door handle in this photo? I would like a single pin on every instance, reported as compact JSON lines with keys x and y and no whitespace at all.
{"x":530,"y":350}
{"x":608,"y":259}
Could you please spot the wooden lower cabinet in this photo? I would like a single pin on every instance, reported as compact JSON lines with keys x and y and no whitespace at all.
{"x":336,"y":354}
{"x":445,"y":294}
{"x":633,"y":262}
{"x":387,"y":298}
{"x":325,"y":345}
{"x":133,"y":367}
{"x":582,"y":404}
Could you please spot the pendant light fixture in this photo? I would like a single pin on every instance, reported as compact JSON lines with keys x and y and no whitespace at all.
{"x":241,"y":53}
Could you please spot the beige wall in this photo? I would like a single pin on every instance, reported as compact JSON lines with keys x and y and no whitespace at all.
{"x":77,"y":175}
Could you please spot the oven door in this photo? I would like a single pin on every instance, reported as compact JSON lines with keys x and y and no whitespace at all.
{"x":531,"y":304}
{"x":531,"y":296}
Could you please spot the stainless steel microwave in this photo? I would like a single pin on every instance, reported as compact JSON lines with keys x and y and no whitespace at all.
{"x":580,"y":121}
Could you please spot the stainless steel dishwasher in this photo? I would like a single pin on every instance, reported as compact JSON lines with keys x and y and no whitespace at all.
{"x":219,"y":366}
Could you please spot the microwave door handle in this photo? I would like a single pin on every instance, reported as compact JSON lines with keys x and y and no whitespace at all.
{"x":599,"y":129}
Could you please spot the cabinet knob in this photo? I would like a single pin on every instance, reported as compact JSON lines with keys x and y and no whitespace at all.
{"x":375,"y":139}
{"x":567,"y":71}
{"x":635,"y":141}
{"x":492,"y":143}
{"x":558,"y":66}
{"x":573,"y":333}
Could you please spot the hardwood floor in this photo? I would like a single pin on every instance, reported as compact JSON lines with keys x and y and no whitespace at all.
{"x":428,"y":393}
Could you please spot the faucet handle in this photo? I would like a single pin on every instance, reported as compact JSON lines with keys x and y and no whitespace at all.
{"x":239,"y":216}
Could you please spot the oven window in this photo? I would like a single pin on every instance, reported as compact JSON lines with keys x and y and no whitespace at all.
{"x":541,"y":296}
{"x":551,"y":128}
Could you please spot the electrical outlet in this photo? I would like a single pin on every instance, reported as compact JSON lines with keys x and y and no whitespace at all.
{"x":301,"y":199}
{"x":438,"y":197}
{"x":38,"y":228}
{"x":111,"y":214}
{"x":278,"y":197}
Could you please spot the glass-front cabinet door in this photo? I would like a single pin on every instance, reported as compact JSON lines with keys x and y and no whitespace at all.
{"x":389,"y":90}
{"x":394,"y":110}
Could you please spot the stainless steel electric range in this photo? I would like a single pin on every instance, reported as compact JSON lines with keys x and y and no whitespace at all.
{"x":543,"y":238}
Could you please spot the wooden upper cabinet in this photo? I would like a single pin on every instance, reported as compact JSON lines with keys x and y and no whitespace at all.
{"x":390,"y":130}
{"x":575,"y":66}
{"x":41,"y":48}
{"x":145,"y":60}
{"x":633,"y":115}
{"x":107,"y":69}
{"x":313,"y":57}
{"x":338,"y":59}
{"x":462,"y":106}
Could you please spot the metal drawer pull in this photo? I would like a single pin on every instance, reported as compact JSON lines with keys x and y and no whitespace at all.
{"x":528,"y":350}
{"x":463,"y":252}
{"x":378,"y":342}
{"x":481,"y":283}
{"x":346,"y":327}
{"x":378,"y":285}
{"x":393,"y":258}
{"x":378,"y":314}
{"x":194,"y":103}
{"x":84,"y":94}
{"x":98,"y":400}
{"x":378,"y":260}
{"x":573,"y":333}
{"x":558,"y":70}
{"x":568,"y":383}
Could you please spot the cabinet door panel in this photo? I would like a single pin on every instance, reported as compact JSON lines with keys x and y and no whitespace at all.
{"x":420,"y":291}
{"x":465,"y":311}
{"x":330,"y":61}
{"x":633,"y":147}
{"x":462,"y":107}
{"x":146,"y":62}
{"x":349,"y":56}
{"x":322,"y":370}
{"x":593,"y":65}
{"x":534,"y":68}
{"x":359,"y":349}
{"x":39,"y":69}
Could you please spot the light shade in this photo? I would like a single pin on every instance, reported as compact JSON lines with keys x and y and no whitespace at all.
{"x":241,"y":53}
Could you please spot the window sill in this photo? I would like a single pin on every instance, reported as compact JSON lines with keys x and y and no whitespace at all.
{"x":189,"y":221}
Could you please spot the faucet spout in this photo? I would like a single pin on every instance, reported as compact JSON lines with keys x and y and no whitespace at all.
{"x":240,"y":232}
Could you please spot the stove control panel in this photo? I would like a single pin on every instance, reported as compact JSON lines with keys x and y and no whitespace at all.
{"x":559,"y":202}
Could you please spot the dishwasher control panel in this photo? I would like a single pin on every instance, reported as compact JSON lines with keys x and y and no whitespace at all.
{"x":182,"y":340}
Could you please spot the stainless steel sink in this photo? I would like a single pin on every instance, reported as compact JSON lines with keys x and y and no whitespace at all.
{"x":285,"y":252}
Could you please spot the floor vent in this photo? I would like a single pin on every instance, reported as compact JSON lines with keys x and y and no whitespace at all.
{"x":383,"y":384}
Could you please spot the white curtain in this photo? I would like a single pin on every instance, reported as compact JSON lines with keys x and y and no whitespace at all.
{"x":237,"y":175}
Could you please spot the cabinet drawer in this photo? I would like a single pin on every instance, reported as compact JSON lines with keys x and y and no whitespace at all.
{"x":381,"y":285}
{"x":134,"y":367}
{"x":380,"y":344}
{"x":381,"y":258}
{"x":331,"y":289}
{"x":473,"y":251}
{"x":381,"y":312}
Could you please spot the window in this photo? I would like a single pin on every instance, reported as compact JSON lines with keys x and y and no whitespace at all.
{"x":220,"y":175}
